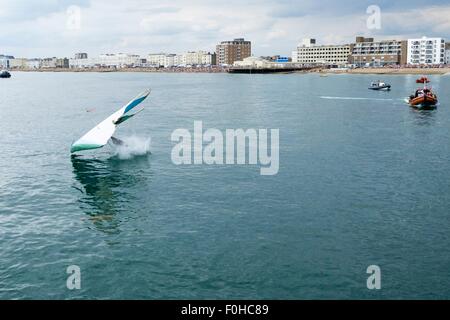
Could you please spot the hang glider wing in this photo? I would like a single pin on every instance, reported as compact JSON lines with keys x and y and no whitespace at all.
{"x":99,"y":136}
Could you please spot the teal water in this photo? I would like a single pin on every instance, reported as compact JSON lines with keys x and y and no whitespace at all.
{"x":364,"y":180}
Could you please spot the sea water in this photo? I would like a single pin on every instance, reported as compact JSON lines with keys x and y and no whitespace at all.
{"x":363,"y":180}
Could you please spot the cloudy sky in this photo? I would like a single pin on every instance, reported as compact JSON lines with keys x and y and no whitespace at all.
{"x":40,"y":28}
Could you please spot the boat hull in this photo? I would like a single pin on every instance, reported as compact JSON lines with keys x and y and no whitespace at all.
{"x":383,"y":88}
{"x":5,"y":75}
{"x":423,"y":80}
{"x":424,"y":102}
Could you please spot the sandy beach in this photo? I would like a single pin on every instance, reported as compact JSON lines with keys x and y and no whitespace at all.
{"x":400,"y":71}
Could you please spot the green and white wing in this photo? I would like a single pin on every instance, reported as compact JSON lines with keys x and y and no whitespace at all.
{"x":99,"y":136}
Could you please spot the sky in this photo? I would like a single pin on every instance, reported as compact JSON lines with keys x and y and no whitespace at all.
{"x":47,"y":28}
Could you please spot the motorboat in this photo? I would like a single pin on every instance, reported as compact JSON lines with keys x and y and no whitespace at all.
{"x":5,"y":74}
{"x":380,"y":86}
{"x":423,"y":99}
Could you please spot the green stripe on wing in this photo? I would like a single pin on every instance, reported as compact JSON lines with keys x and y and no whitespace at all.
{"x":83,"y":147}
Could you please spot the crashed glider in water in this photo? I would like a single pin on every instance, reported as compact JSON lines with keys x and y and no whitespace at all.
{"x":103,"y":132}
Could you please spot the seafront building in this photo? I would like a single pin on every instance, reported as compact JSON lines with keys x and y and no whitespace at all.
{"x":166,"y":60}
{"x":426,"y":51}
{"x":117,"y":60}
{"x":309,"y":53}
{"x":48,"y":63}
{"x":189,"y":58}
{"x":23,"y":63}
{"x":228,"y":52}
{"x":5,"y":61}
{"x":81,"y":55}
{"x":367,"y":52}
{"x":157,"y":59}
{"x":62,"y":63}
{"x":33,"y":64}
{"x":107,"y":60}
{"x":18,"y":63}
{"x":81,"y":62}
{"x":197,"y":58}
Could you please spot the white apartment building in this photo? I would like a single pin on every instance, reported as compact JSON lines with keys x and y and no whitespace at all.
{"x":197,"y":58}
{"x":163,"y":60}
{"x":156,"y":59}
{"x":426,"y":51}
{"x":309,"y":53}
{"x":48,"y":63}
{"x":18,"y":63}
{"x":33,"y":64}
{"x":118,"y":60}
{"x":108,"y":60}
{"x":5,"y":61}
{"x":170,"y":61}
{"x":189,"y":58}
{"x":81,"y":63}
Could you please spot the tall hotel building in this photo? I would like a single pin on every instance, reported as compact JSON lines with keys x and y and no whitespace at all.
{"x":381,"y":53}
{"x":229,"y":52}
{"x":426,"y":51}
{"x":310,"y":53}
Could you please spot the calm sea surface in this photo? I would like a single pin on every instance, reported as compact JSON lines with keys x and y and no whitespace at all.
{"x":364,"y":180}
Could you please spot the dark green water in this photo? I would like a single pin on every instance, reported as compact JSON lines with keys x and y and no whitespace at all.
{"x":362,"y":182}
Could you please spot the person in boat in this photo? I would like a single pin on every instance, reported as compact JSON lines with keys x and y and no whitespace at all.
{"x":376,"y":83}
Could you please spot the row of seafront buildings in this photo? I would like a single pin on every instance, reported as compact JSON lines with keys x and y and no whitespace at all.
{"x":156,"y":60}
{"x":366,"y":52}
{"x":227,"y":52}
{"x":10,"y":62}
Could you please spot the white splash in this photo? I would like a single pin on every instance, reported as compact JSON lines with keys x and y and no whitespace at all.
{"x":133,"y":146}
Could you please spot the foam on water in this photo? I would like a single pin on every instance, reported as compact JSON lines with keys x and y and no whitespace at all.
{"x":133,"y":146}
{"x":354,"y":98}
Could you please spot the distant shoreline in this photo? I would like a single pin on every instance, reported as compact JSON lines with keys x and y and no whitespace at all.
{"x":368,"y":71}
{"x":137,"y":70}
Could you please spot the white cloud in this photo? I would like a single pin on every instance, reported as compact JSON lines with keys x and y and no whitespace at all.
{"x":38,"y":28}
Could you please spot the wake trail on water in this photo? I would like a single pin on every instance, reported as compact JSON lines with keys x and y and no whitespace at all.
{"x":354,"y":98}
{"x":133,"y":146}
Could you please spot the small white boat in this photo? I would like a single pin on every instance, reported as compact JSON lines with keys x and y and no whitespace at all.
{"x":380,"y":86}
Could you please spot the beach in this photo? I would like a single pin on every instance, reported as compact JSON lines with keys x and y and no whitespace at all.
{"x":400,"y":71}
